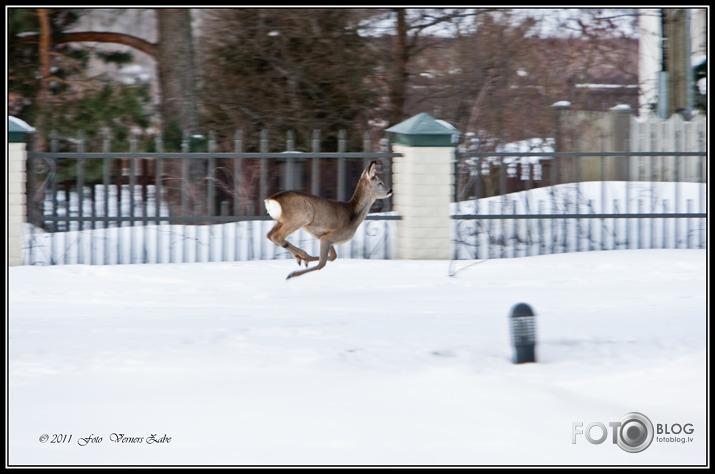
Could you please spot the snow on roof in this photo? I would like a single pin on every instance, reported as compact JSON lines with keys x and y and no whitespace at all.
{"x":23,"y":126}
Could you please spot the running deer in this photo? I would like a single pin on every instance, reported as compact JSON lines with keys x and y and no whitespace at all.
{"x":331,"y":222}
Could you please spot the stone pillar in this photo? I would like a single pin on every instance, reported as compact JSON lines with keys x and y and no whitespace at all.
{"x":562,"y":123}
{"x":423,"y":187}
{"x":16,"y":188}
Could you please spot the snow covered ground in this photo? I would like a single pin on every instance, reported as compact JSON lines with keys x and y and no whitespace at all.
{"x":366,"y":362}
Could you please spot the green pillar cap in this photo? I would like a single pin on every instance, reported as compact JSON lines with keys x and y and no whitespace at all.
{"x":17,"y":129}
{"x":424,"y":130}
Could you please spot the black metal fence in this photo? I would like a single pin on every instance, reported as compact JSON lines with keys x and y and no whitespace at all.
{"x":521,"y":204}
{"x":134,"y":207}
{"x":108,"y":208}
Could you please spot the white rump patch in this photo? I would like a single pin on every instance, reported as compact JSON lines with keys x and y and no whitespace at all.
{"x":274,"y":208}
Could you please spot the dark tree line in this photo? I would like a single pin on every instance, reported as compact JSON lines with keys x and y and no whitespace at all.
{"x":488,"y":71}
{"x":286,"y":69}
{"x":49,"y":86}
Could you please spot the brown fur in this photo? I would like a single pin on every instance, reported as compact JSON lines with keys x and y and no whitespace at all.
{"x":331,"y":222}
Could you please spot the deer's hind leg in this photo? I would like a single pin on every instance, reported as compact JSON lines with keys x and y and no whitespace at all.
{"x":278,"y":235}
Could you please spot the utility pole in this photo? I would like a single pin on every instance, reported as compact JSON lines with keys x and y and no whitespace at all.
{"x":676,"y":62}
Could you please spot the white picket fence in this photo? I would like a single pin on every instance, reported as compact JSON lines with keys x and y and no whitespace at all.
{"x":656,"y":135}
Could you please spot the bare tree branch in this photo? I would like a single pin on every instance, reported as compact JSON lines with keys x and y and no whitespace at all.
{"x":98,"y":37}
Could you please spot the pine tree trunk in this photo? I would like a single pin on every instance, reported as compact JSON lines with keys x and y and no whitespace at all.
{"x":44,"y":47}
{"x":176,"y":70}
{"x":398,"y":82}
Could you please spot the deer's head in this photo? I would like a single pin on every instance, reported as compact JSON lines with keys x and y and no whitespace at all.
{"x":373,"y":184}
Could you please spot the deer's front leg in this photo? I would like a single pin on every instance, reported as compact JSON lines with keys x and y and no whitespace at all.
{"x":300,"y":255}
{"x":326,"y":250}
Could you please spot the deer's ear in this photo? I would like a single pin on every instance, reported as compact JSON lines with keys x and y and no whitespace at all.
{"x":370,"y":170}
